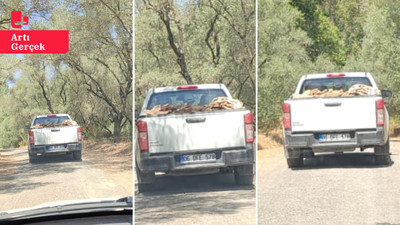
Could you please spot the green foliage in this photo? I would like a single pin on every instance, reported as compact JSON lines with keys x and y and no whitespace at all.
{"x":217,"y":38}
{"x":92,"y":82}
{"x":282,"y":58}
{"x":380,"y":52}
{"x":315,"y":36}
{"x":322,"y":30}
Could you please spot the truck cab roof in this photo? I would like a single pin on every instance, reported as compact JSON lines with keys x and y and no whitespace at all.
{"x":188,"y":87}
{"x":51,"y":115}
{"x":336,"y":74}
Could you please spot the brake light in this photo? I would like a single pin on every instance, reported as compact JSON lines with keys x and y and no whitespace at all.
{"x":31,"y":138}
{"x":286,"y":116}
{"x":79,"y":134}
{"x":143,"y":140}
{"x":380,"y":112}
{"x":335,"y":75}
{"x":249,"y":128}
{"x":52,"y":115}
{"x":187,"y":87}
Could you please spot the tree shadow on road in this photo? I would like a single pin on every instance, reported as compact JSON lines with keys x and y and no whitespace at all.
{"x":17,"y":174}
{"x":191,"y":196}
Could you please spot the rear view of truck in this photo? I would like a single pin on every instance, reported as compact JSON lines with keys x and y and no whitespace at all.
{"x":54,"y":134}
{"x":181,"y":131}
{"x":336,"y":113}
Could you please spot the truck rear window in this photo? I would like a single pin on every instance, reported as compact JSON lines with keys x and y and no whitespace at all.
{"x":189,"y":97}
{"x":50,"y":120}
{"x":340,"y":83}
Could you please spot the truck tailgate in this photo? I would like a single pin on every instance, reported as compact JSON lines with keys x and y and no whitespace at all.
{"x":325,"y":114}
{"x":198,"y":131}
{"x":55,"y":135}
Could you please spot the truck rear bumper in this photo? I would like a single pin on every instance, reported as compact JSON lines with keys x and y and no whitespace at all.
{"x":170,"y":162}
{"x":46,"y":149}
{"x":310,"y":140}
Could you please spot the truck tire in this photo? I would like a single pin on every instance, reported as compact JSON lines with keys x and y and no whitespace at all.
{"x":295,"y":162}
{"x":244,"y":175}
{"x":145,"y":180}
{"x":33,"y":158}
{"x":77,"y":155}
{"x":382,"y":154}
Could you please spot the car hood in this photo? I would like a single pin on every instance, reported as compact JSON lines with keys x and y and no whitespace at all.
{"x":69,"y":207}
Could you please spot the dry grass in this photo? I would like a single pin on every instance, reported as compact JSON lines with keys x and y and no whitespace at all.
{"x":394,"y":128}
{"x":272,"y":139}
{"x":108,"y":147}
{"x":269,"y":145}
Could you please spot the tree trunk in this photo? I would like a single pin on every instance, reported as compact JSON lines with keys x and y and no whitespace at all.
{"x":117,"y":129}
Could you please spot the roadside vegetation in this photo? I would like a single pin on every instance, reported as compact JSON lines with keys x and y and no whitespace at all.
{"x":92,"y":82}
{"x":317,"y":36}
{"x":195,"y":42}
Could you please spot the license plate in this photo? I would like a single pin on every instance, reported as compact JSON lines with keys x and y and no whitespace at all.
{"x":55,"y":147}
{"x":334,"y":137}
{"x":206,"y":157}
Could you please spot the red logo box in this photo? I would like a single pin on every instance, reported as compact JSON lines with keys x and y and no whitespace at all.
{"x":34,"y":41}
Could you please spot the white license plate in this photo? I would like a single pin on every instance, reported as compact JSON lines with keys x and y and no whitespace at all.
{"x":334,"y":137}
{"x":55,"y":147}
{"x":206,"y":157}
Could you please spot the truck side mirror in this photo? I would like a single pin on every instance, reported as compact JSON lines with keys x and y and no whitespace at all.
{"x":27,"y":128}
{"x":386,"y":94}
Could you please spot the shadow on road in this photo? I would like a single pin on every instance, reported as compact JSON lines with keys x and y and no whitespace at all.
{"x":346,"y":160}
{"x":17,"y":174}
{"x":191,"y":196}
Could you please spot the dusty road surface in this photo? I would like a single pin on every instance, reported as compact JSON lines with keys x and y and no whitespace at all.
{"x":57,"y":178}
{"x":332,"y":189}
{"x":206,"y":199}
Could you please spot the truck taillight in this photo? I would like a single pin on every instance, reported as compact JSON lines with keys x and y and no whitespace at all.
{"x":143,"y":139}
{"x":380,"y":112}
{"x":31,"y":138}
{"x":79,"y":134}
{"x":249,"y":128}
{"x":286,"y":116}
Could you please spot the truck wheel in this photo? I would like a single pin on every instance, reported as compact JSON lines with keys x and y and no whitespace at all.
{"x":145,"y":180}
{"x":382,"y":154}
{"x":77,"y":155}
{"x":244,"y":175}
{"x":32,"y":158}
{"x":296,"y":162}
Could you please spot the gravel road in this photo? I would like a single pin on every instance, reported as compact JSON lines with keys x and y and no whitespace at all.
{"x":206,"y":199}
{"x":331,"y":189}
{"x":54,"y":178}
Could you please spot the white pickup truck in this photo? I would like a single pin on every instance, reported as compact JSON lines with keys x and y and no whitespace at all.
{"x":317,"y":124}
{"x":196,"y":142}
{"x":47,"y":135}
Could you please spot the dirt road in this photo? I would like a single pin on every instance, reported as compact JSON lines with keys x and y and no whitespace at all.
{"x":332,"y":189}
{"x":207,"y":199}
{"x":56,"y":178}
